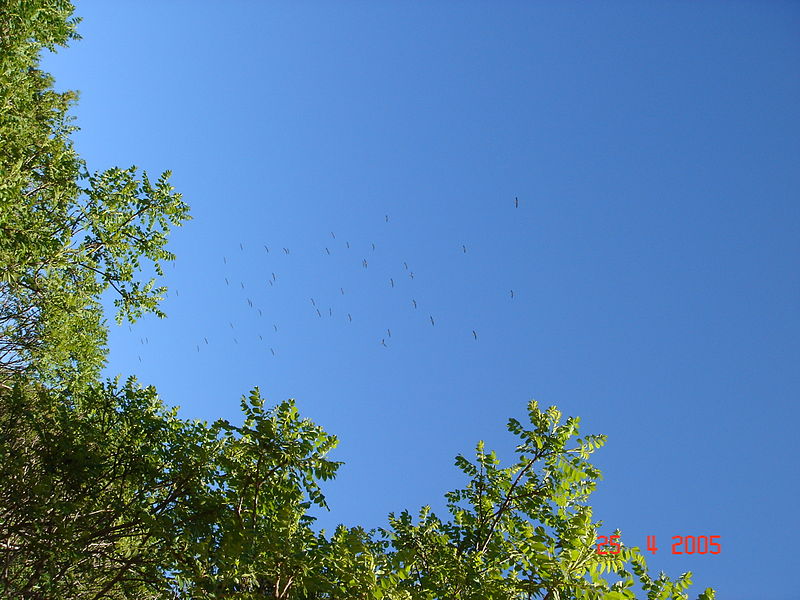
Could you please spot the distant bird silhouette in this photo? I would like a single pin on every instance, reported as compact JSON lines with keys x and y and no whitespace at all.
{"x":266,"y":248}
{"x":140,"y":358}
{"x":349,"y":318}
{"x":206,"y":340}
{"x":273,"y":351}
{"x":387,"y":218}
{"x":516,"y":202}
{"x":275,"y":326}
{"x":432,"y":323}
{"x":512,"y":293}
{"x":231,"y":324}
{"x":475,"y":335}
{"x":348,"y":244}
{"x":259,"y":312}
{"x":286,"y":250}
{"x":260,"y":337}
{"x":389,"y":331}
{"x":364,"y":262}
{"x":242,"y":282}
{"x":235,"y":341}
{"x":383,"y":342}
{"x":342,"y":290}
{"x":333,"y":235}
{"x":373,"y":247}
{"x":273,"y":277}
{"x":405,"y":264}
{"x":391,"y":281}
{"x":176,"y":292}
{"x":226,"y":281}
{"x":225,"y":260}
{"x":411,"y":274}
{"x":414,"y":302}
{"x":313,"y":303}
{"x":330,"y":311}
{"x":198,"y":348}
{"x":270,"y":282}
{"x":328,"y":251}
{"x":240,"y":246}
{"x":319,"y":314}
{"x":250,"y":302}
{"x":465,"y":248}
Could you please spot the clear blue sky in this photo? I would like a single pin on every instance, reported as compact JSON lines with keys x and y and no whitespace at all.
{"x":654,"y":149}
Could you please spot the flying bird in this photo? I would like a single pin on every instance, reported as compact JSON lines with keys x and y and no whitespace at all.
{"x":432,"y":323}
{"x":227,"y":282}
{"x":240,"y":246}
{"x":414,"y":302}
{"x":286,"y":250}
{"x":319,"y":314}
{"x":342,"y":290}
{"x":225,"y":260}
{"x":330,"y":311}
{"x":389,"y":331}
{"x":260,"y":337}
{"x":198,"y":348}
{"x":516,"y":202}
{"x":475,"y":335}
{"x":373,"y":247}
{"x":250,"y":302}
{"x":313,"y":303}
{"x":328,"y":251}
{"x":273,"y":351}
{"x":512,"y":293}
{"x":405,"y":264}
{"x":383,"y":342}
{"x":266,"y":248}
{"x":259,"y":312}
{"x":242,"y":282}
{"x":231,"y":324}
{"x":333,"y":235}
{"x":464,"y":248}
{"x":349,"y":318}
{"x":411,"y":274}
{"x":273,"y":277}
{"x":270,"y":282}
{"x":364,"y":262}
{"x":348,"y":244}
{"x":206,"y":340}
{"x":391,"y":281}
{"x":275,"y":326}
{"x":235,"y":341}
{"x":387,"y":218}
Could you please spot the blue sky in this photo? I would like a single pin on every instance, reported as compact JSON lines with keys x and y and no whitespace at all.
{"x":653,"y":256}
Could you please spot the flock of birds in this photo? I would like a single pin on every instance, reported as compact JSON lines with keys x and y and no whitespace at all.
{"x":273,"y":278}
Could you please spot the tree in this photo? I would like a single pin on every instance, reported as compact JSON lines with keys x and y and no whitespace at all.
{"x":106,"y":493}
{"x":65,"y":235}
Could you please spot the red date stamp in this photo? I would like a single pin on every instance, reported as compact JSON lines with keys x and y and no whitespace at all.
{"x":685,"y":544}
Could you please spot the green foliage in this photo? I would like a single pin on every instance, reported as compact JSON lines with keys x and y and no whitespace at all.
{"x":106,"y":493}
{"x":65,"y":235}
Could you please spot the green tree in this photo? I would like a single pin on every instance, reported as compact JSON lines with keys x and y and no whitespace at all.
{"x":65,"y":235}
{"x":106,"y":493}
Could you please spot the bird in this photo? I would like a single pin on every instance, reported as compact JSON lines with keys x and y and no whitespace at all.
{"x":275,"y":326}
{"x":227,"y":282}
{"x":330,"y":311}
{"x":349,"y":318}
{"x":383,"y":342}
{"x":140,"y":358}
{"x":414,"y":302}
{"x":342,"y":290}
{"x":176,"y":292}
{"x":260,"y":337}
{"x":198,"y":348}
{"x":512,"y":293}
{"x":411,"y":274}
{"x":250,"y":302}
{"x":405,"y":264}
{"x":464,"y":248}
{"x":270,"y":282}
{"x":432,"y":323}
{"x":319,"y":314}
{"x":240,"y":246}
{"x":391,"y":281}
{"x":231,"y":324}
{"x":373,"y":247}
{"x":235,"y":341}
{"x":273,"y":277}
{"x":206,"y":340}
{"x":516,"y":202}
{"x":313,"y":303}
{"x":273,"y":351}
{"x":389,"y":331}
{"x":475,"y":335}
{"x":333,"y":235}
{"x":348,"y":244}
{"x":364,"y":262}
{"x":387,"y":218}
{"x":225,"y":260}
{"x":328,"y":251}
{"x":259,"y":312}
{"x":242,"y":282}
{"x":266,"y":248}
